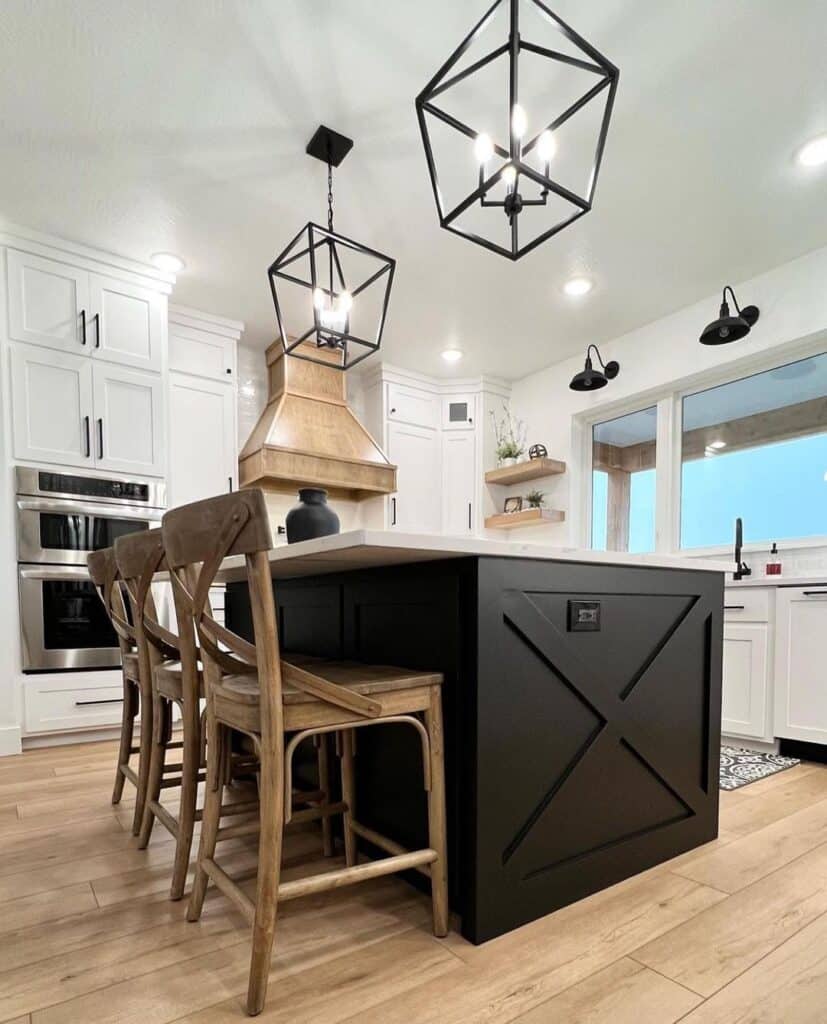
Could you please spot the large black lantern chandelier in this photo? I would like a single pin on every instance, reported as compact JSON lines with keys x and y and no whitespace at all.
{"x":510,"y":163}
{"x":335,"y":289}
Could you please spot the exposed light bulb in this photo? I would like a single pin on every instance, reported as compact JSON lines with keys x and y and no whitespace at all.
{"x":509,"y":174}
{"x":344,"y":302}
{"x":519,"y":120}
{"x":333,"y":316}
{"x":483,"y":147}
{"x":319,"y":298}
{"x":546,"y":146}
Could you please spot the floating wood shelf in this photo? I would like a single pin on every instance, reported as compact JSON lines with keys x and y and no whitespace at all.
{"x":527,"y":517}
{"x":532,"y":469}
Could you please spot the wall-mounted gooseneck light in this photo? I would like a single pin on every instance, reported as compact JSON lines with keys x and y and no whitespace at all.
{"x":528,"y":183}
{"x":729,"y":328}
{"x":590,"y":379}
{"x":320,"y":269}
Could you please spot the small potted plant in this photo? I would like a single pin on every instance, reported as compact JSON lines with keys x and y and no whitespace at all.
{"x":510,"y":437}
{"x":535,"y":499}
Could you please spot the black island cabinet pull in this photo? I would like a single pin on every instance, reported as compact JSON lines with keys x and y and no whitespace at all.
{"x":89,"y":703}
{"x":734,"y":607}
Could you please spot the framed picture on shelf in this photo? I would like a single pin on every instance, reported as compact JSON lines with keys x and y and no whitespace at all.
{"x":514,"y":504}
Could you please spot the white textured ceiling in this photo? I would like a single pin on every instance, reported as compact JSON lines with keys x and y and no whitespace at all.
{"x":139,"y":125}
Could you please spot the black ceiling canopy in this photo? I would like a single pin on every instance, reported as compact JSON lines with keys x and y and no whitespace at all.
{"x":339,"y":288}
{"x":517,"y":179}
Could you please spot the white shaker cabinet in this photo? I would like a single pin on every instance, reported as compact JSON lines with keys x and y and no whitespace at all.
{"x":202,"y":451}
{"x":747,"y":663}
{"x":52,"y":406}
{"x":800,"y":664}
{"x":416,"y":506}
{"x":128,"y":434}
{"x":127,"y":324}
{"x":459,"y":482}
{"x":48,"y":302}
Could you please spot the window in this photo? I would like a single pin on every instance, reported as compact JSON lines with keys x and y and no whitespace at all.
{"x":623,"y":483}
{"x":756,"y":448}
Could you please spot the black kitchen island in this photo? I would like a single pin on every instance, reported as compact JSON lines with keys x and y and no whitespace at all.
{"x":582,"y":703}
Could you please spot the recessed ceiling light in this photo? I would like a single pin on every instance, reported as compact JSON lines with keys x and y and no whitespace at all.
{"x":814,"y":152}
{"x":452,"y":355}
{"x":577,"y":286}
{"x":717,"y":444}
{"x":168,"y":261}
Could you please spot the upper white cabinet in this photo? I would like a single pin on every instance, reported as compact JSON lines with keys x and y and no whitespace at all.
{"x":800,"y":675}
{"x":201,"y":353}
{"x":48,"y":302}
{"x":203,"y":449}
{"x":129,"y":421}
{"x":74,"y":310}
{"x":51,"y":406}
{"x":69,"y":411}
{"x":458,"y":412}
{"x":412,"y":405}
{"x":127,"y":323}
{"x":415,"y":508}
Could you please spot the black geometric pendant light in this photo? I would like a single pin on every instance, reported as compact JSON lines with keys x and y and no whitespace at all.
{"x":337,"y":286}
{"x":512,"y":171}
{"x":729,"y":328}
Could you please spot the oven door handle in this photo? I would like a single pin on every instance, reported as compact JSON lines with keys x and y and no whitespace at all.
{"x":84,"y":509}
{"x":54,"y":572}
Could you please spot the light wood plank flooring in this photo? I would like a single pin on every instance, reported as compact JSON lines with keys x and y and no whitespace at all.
{"x":734,"y":932}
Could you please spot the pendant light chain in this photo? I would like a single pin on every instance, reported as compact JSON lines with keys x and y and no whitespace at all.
{"x":329,"y":196}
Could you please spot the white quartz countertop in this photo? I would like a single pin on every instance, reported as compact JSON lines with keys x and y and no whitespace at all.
{"x":779,"y":581}
{"x":363,"y":549}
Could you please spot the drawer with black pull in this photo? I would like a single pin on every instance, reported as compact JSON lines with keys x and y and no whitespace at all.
{"x":56,"y":705}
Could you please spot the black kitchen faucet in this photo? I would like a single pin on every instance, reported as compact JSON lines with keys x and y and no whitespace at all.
{"x":742,"y":569}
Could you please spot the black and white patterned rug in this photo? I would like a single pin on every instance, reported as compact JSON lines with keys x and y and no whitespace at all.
{"x":740,"y":767}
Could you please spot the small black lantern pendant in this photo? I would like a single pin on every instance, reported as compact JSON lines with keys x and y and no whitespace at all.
{"x":327,"y":265}
{"x":515,"y":175}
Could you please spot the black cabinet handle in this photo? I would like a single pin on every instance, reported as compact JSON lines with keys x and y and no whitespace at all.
{"x":83,"y":327}
{"x":734,"y":607}
{"x":229,"y":483}
{"x":97,"y":319}
{"x":88,"y":439}
{"x":393,"y":512}
{"x":90,"y":703}
{"x":393,"y":410}
{"x":229,"y":370}
{"x":100,"y":438}
{"x":815,"y":593}
{"x":469,"y":515}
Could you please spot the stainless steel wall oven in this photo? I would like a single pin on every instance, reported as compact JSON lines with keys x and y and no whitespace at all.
{"x":60,"y":519}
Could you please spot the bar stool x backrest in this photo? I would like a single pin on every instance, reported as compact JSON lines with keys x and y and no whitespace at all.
{"x":250,"y":689}
{"x":176,"y":679}
{"x":103,"y":571}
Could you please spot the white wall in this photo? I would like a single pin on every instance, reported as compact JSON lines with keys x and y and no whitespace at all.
{"x":665,"y":354}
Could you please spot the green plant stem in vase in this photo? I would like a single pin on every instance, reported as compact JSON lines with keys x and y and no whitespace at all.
{"x":510,"y":437}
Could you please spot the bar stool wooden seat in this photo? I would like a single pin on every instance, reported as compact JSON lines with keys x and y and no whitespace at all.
{"x":250,"y":689}
{"x":137,"y":691}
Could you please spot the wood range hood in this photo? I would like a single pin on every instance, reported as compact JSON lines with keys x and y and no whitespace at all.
{"x":308,"y":437}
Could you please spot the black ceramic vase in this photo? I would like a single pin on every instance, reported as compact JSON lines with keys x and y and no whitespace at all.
{"x":312,"y":517}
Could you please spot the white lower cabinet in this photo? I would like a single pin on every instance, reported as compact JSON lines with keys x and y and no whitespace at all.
{"x":76,"y":700}
{"x":746,"y":680}
{"x":416,"y":506}
{"x":202,"y":450}
{"x":458,"y":482}
{"x":51,"y":406}
{"x":800,"y":664}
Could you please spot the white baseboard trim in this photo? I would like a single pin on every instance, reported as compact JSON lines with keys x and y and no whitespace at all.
{"x":64,"y":739}
{"x":760,"y":746}
{"x":10,"y":740}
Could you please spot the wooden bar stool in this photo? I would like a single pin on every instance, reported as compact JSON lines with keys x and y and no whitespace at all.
{"x":177,"y":679}
{"x":249,"y":689}
{"x":137,"y":690}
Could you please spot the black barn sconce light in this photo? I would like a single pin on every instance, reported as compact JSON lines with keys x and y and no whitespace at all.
{"x":590,"y":379}
{"x":729,"y":328}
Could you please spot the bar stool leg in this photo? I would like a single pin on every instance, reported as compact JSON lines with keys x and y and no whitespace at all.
{"x":211,"y":817}
{"x":323,"y":762}
{"x":271,"y":811}
{"x":349,"y":796}
{"x":161,"y":715}
{"x":436,"y":815}
{"x":144,"y":757}
{"x":190,"y":760}
{"x":130,"y":709}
